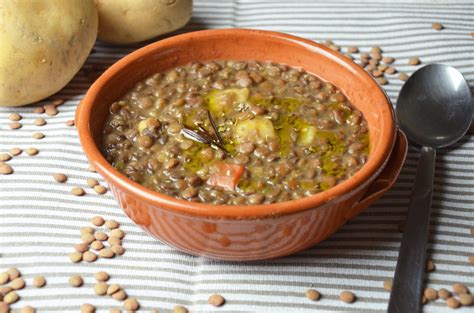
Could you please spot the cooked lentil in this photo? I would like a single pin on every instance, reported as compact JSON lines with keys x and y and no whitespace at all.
{"x":39,"y":281}
{"x":293,"y":117}
{"x":313,"y":294}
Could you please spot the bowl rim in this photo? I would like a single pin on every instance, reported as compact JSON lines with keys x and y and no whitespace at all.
{"x":361,"y":179}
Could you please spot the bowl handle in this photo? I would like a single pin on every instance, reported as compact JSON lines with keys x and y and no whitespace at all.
{"x":386,"y":178}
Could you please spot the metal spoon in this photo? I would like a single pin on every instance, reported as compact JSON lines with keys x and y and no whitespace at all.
{"x":434,"y":110}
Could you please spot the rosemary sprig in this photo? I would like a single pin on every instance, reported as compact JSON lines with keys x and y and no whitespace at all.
{"x":203,"y":136}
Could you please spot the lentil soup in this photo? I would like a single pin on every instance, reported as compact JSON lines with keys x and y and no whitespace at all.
{"x":235,"y":132}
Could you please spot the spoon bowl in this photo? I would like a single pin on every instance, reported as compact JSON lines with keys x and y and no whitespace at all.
{"x":434,"y":106}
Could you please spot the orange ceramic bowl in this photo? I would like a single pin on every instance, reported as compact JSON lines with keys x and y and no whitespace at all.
{"x":246,"y":232}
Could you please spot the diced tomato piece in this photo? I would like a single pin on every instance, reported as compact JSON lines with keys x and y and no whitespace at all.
{"x":226,"y":175}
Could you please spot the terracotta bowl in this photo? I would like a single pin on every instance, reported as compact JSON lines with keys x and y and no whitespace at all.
{"x":246,"y":232}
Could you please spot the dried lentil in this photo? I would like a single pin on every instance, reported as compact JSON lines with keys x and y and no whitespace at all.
{"x":98,"y":221}
{"x":114,"y":241}
{"x":87,"y":308}
{"x":118,"y":233}
{"x":4,"y":278}
{"x":430,"y":294}
{"x":216,"y":300}
{"x":38,"y":110}
{"x":27,"y":309}
{"x":60,"y":177}
{"x":112,"y":224}
{"x":15,"y":125}
{"x":377,"y":73}
{"x":387,"y":284}
{"x":97,"y":245}
{"x":100,"y":189}
{"x":13,"y":273}
{"x":6,"y":169}
{"x":352,"y":49}
{"x":89,"y":256}
{"x":101,"y":276}
{"x":11,"y":297}
{"x":39,"y":281}
{"x":38,"y":136}
{"x":31,"y":151}
{"x":58,"y":102}
{"x":17,"y":283}
{"x":115,"y":311}
{"x":87,"y":230}
{"x":77,"y":191}
{"x":313,"y":294}
{"x":91,"y":182}
{"x":101,"y":236}
{"x":390,"y":70}
{"x":118,"y":249}
{"x":15,"y":151}
{"x":437,"y":26}
{"x":465,"y":299}
{"x":87,"y":238}
{"x":70,"y":123}
{"x":430,"y":266}
{"x":382,"y":80}
{"x":113,"y":289}
{"x":180,"y":309}
{"x":91,"y":168}
{"x":460,"y":288}
{"x":453,"y":303}
{"x":106,"y":253}
{"x":131,"y":304}
{"x":14,"y":117}
{"x":444,"y":294}
{"x":4,"y":157}
{"x":376,"y":50}
{"x":403,"y":76}
{"x":39,"y":122}
{"x":120,"y":295}
{"x":414,"y":61}
{"x":76,"y":281}
{"x":75,"y":257}
{"x":100,"y":289}
{"x":347,"y":296}
{"x":388,"y":60}
{"x":51,"y":111}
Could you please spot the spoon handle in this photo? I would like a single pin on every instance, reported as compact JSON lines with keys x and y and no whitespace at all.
{"x":408,"y":281}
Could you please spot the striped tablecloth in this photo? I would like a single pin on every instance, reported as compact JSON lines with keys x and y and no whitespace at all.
{"x":40,"y":219}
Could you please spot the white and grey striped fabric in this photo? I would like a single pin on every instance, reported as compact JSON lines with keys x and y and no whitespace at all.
{"x":40,"y":219}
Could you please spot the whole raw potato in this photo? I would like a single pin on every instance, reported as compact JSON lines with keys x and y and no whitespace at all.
{"x":43,"y":44}
{"x":130,"y":21}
